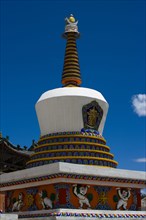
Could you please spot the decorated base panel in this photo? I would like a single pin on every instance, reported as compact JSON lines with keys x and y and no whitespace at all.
{"x":72,"y":196}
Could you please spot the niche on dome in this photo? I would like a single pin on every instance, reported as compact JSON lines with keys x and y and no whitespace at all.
{"x":92,"y":115}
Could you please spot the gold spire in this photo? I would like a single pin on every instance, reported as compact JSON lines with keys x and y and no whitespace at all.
{"x":71,"y":71}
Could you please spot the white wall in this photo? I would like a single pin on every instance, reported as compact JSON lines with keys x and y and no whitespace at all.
{"x":60,"y":109}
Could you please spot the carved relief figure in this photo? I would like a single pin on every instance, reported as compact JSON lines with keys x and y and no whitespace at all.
{"x":18,"y":204}
{"x":45,"y":201}
{"x":124,"y":195}
{"x":80,"y":191}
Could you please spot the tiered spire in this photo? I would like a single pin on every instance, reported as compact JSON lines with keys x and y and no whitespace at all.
{"x":71,"y":71}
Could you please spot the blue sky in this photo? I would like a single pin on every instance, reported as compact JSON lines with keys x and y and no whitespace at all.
{"x":112,"y":60}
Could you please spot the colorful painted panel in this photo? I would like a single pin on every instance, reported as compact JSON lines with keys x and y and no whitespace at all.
{"x":31,"y":199}
{"x":75,"y":196}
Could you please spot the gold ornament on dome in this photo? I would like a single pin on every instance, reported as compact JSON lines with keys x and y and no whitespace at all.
{"x":92,"y":115}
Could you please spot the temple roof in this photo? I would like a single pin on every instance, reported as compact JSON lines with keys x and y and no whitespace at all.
{"x":12,"y":158}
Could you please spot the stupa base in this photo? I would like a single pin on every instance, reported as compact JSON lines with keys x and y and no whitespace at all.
{"x":61,"y":189}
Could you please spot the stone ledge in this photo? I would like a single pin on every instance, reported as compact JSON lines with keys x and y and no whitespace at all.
{"x":77,"y":169}
{"x":75,"y":214}
{"x":8,"y":217}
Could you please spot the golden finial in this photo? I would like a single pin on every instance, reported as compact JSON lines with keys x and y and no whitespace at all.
{"x":72,"y":19}
{"x":71,"y":26}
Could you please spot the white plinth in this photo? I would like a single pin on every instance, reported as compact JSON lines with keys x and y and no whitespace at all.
{"x":67,"y":168}
{"x":60,"y":110}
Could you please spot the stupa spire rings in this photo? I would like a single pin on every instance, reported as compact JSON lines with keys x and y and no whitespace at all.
{"x":71,"y":70}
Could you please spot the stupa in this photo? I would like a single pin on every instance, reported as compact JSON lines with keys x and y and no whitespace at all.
{"x":72,"y":173}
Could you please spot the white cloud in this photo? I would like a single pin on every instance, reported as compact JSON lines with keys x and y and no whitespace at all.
{"x":140,"y":160}
{"x":139,"y":104}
